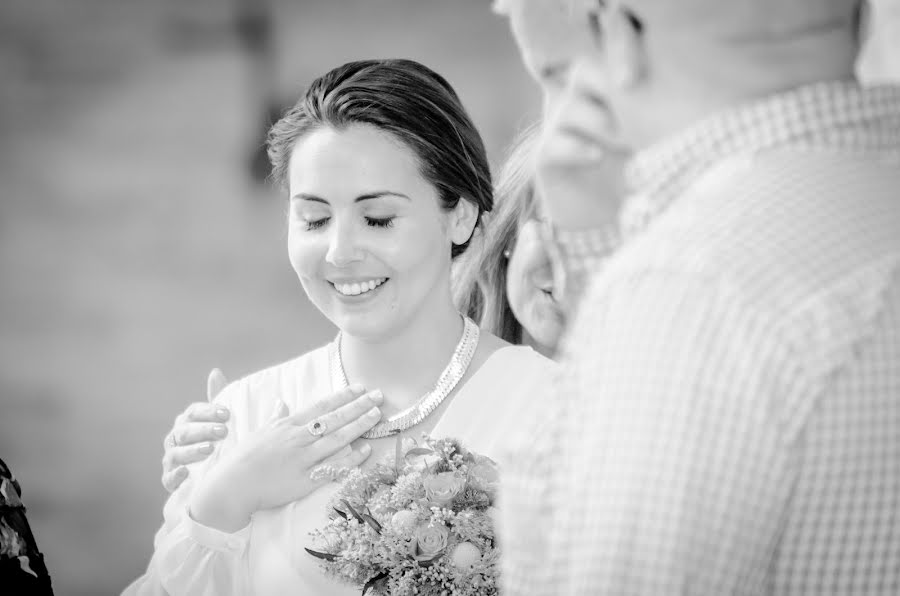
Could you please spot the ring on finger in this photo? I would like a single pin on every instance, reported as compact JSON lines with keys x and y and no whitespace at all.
{"x":172,"y":441}
{"x":317,"y":427}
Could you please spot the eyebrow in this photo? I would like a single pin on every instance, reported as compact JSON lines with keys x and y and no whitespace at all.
{"x":364,"y":197}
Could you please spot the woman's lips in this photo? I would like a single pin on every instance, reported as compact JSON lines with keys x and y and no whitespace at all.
{"x":356,"y":288}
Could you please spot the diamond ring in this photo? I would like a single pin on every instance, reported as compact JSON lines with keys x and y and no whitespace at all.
{"x":316,"y":427}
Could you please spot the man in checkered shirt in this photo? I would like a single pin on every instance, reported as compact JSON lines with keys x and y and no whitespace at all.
{"x":728,"y":417}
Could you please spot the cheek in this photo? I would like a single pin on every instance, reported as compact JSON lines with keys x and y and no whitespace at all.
{"x":516,"y":284}
{"x":419,"y":245}
{"x":305,"y":252}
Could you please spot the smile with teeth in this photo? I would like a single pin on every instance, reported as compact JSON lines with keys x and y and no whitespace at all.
{"x":357,"y":288}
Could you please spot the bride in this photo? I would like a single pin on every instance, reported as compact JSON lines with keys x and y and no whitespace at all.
{"x":388,"y":180}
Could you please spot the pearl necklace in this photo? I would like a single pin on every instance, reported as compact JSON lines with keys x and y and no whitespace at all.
{"x":449,"y":379}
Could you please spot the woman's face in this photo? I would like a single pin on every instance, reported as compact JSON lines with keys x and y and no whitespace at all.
{"x":530,"y":286}
{"x":367,"y":235}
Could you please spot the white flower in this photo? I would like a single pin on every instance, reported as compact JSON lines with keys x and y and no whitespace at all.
{"x":465,"y":555}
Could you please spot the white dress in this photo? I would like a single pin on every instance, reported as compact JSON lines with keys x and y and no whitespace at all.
{"x":267,"y":557}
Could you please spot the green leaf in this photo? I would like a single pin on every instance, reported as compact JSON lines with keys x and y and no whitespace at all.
{"x":419,"y":451}
{"x":398,"y":454}
{"x":372,"y":522}
{"x":372,"y":582}
{"x":325,"y":556}
{"x":429,"y":562}
{"x":339,"y":512}
{"x":353,"y":511}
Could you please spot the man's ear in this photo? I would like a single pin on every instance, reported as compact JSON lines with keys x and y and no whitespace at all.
{"x":462,"y":221}
{"x":625,"y":48}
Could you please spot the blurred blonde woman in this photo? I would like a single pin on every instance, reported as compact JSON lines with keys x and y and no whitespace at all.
{"x":508,"y":283}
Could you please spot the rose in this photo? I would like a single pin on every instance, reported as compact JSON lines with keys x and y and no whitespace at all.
{"x":431,"y":540}
{"x":442,"y":488}
{"x":484,"y":476}
{"x":420,"y":462}
{"x":465,"y":555}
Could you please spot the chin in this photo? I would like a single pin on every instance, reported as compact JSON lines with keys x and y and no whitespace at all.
{"x":549,"y":338}
{"x":368,"y":326}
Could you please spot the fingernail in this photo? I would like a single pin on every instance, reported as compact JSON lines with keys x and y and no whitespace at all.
{"x":219,"y":430}
{"x":181,"y":473}
{"x":357,"y":388}
{"x":222,"y":414}
{"x":206,"y":447}
{"x":374,"y":413}
{"x":365,"y":449}
{"x":377,"y":396}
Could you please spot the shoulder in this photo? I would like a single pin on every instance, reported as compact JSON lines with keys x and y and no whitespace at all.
{"x":521,"y":366}
{"x":496,"y":351}
{"x":778,"y":228}
{"x":254,"y":397}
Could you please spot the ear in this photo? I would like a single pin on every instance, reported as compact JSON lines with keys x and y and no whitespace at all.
{"x":626,"y":52}
{"x":463,"y":218}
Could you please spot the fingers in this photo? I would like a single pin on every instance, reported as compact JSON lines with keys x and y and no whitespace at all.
{"x":280,"y":411}
{"x":181,"y":456}
{"x":343,"y":452}
{"x":190,"y":433}
{"x":173,"y":479}
{"x":352,"y":459}
{"x":352,"y":411}
{"x":574,"y":132}
{"x":335,"y":440}
{"x":206,"y":412}
{"x":322,"y":407}
{"x":215,"y":383}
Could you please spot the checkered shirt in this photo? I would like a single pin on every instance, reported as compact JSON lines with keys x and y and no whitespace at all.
{"x":728,"y":416}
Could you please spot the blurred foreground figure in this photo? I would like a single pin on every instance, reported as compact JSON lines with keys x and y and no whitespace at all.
{"x":22,"y":569}
{"x":880,"y":60}
{"x":729,"y":409}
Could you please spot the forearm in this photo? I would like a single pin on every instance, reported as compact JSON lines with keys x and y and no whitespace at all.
{"x":190,"y":558}
{"x":214,"y":506}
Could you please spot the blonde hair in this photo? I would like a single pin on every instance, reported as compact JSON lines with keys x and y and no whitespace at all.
{"x":480,"y":276}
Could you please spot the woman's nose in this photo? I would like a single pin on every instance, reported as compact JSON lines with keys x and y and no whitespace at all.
{"x":343,"y":247}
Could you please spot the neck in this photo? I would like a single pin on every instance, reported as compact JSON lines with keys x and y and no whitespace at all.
{"x":542,"y":349}
{"x":407,"y":364}
{"x":688,"y":88}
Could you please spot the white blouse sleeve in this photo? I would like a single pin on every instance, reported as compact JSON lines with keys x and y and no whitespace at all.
{"x":192,"y":559}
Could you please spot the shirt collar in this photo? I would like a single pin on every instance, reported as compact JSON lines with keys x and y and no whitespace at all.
{"x":841,"y":115}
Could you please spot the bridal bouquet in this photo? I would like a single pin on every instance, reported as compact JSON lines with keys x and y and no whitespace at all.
{"x":420,"y":524}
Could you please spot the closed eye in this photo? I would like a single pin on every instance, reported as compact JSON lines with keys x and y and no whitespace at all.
{"x":315,"y":224}
{"x":378,"y":222}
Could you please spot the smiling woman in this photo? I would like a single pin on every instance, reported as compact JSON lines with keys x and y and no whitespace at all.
{"x":387,"y":181}
{"x":361,"y":212}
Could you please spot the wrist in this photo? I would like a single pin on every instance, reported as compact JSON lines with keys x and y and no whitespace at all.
{"x":215,"y":506}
